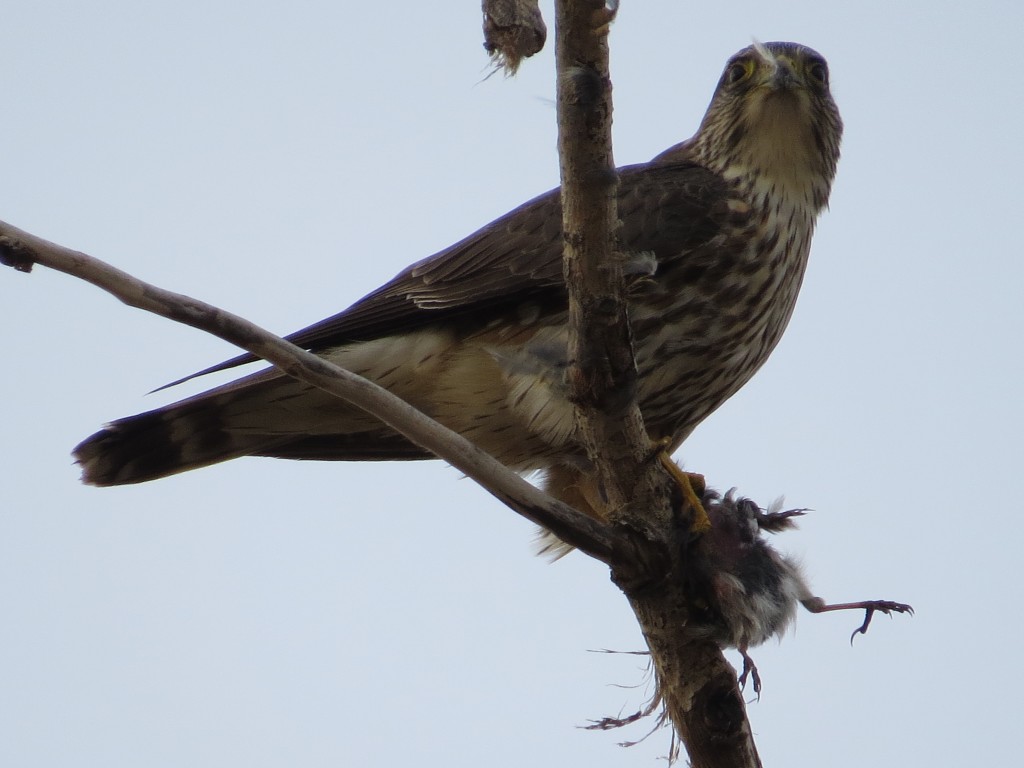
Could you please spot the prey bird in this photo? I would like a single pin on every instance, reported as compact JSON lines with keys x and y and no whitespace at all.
{"x":743,"y":591}
{"x":714,"y":239}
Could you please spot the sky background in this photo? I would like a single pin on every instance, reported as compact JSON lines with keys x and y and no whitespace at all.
{"x":282,"y":160}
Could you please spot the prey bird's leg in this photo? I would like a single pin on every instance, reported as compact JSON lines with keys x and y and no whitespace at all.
{"x":888,"y":607}
{"x":749,"y":669}
{"x":691,"y":485}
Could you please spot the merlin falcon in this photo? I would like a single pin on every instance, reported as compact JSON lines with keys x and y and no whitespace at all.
{"x":714,"y":239}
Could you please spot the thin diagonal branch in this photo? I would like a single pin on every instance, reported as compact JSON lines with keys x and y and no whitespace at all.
{"x":21,"y":250}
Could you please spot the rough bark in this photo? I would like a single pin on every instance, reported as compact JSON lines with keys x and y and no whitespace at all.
{"x":602,"y":371}
{"x":697,"y":685}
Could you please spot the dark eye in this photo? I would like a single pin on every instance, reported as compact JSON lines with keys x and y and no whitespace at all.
{"x":738,"y":71}
{"x":818,"y":70}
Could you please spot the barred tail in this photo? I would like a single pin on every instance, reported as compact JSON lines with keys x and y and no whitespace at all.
{"x":162,"y":442}
{"x":261,"y":416}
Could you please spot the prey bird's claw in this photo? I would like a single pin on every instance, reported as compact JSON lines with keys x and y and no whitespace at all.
{"x":888,"y":607}
{"x":749,"y":669}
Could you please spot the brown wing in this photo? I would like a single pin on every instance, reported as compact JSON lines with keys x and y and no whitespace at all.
{"x":668,"y":208}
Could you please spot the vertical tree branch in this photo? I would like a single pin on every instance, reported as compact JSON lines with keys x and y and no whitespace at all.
{"x":602,"y":371}
{"x":695,"y":682}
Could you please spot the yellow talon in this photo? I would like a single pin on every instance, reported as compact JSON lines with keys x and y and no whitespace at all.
{"x":689,"y":483}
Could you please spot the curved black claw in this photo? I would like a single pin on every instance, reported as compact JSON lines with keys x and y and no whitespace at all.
{"x":888,"y":607}
{"x":749,"y":669}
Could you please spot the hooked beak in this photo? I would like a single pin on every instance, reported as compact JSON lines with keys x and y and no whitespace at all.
{"x":781,"y":75}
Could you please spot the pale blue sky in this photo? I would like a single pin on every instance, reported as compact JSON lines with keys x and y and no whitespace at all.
{"x":282,"y":160}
